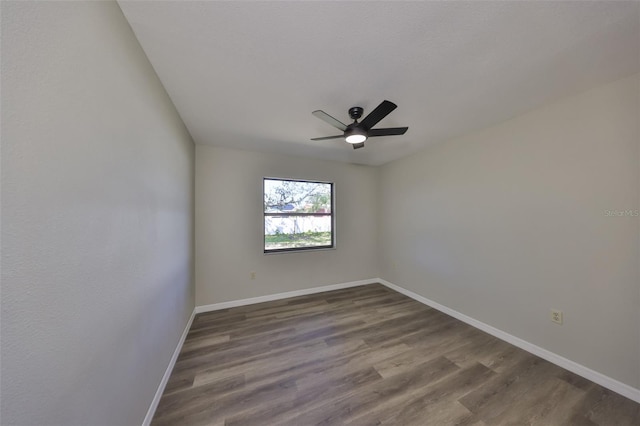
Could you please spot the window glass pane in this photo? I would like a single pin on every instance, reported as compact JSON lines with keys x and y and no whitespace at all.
{"x":297,"y":215}
{"x":285,"y":232}
{"x":286,"y":196}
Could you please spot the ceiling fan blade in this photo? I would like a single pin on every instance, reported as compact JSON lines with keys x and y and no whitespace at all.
{"x":378,"y":114}
{"x":390,"y":131}
{"x":358,"y":145}
{"x":329,"y":119}
{"x":327,"y":138}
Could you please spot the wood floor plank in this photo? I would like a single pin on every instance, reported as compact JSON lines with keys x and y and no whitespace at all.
{"x":433,"y":400}
{"x":545,"y":406}
{"x":601,"y":406}
{"x":343,"y":408}
{"x":369,"y":355}
{"x":498,"y":394}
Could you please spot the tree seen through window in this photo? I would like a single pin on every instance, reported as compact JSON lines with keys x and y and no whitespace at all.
{"x":298,"y":215}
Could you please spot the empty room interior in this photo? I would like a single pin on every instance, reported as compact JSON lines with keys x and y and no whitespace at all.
{"x":331,"y":212}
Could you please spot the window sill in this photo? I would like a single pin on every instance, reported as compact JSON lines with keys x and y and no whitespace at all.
{"x":303,"y":250}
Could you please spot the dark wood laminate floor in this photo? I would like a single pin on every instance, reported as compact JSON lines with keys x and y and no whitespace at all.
{"x":368,"y":355}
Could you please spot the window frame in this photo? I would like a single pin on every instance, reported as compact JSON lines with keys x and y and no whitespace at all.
{"x":300,"y":249}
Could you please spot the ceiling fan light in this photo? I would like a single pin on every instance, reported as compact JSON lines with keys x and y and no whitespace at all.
{"x":355,"y":136}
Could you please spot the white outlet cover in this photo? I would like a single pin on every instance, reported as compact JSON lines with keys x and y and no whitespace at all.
{"x":556,"y":316}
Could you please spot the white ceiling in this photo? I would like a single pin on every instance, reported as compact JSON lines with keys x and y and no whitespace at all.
{"x":247,"y":75}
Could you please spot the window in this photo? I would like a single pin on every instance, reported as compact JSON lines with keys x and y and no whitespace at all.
{"x":298,"y":215}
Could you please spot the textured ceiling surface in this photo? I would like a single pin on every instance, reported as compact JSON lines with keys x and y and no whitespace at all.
{"x":247,"y":75}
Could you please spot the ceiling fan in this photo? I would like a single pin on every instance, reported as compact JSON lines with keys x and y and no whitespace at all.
{"x":357,"y":133}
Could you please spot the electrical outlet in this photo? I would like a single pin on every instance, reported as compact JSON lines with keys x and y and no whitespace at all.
{"x":252,"y":275}
{"x":556,"y":316}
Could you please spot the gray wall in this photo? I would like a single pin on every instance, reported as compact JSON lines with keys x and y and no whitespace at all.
{"x":97,"y":218}
{"x":229,"y":241}
{"x":509,"y":222}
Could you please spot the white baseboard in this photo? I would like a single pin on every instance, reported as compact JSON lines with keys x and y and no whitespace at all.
{"x":278,"y":296}
{"x":599,"y":378}
{"x":167,"y":373}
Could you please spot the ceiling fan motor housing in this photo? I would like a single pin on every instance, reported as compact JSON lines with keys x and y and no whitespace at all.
{"x":355,"y":134}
